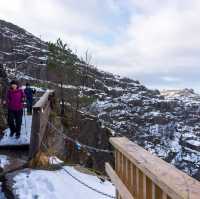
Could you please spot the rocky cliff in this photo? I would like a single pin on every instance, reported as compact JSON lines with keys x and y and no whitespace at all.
{"x":22,"y":50}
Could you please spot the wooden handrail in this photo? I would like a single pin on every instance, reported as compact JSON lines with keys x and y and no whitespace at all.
{"x":147,"y":176}
{"x":44,"y":99}
{"x":41,"y":111}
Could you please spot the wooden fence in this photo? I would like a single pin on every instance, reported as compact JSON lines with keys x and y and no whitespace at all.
{"x":141,"y":175}
{"x":41,"y":111}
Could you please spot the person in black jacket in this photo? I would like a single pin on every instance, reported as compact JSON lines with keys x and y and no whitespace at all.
{"x":29,"y":92}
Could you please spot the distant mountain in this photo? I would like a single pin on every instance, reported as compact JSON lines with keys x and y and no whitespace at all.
{"x":165,"y":123}
{"x":184,"y":94}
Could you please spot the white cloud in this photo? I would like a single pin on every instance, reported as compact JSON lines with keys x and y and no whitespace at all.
{"x":155,"y":40}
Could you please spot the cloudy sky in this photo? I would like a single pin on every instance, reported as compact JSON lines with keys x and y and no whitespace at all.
{"x":154,"y":41}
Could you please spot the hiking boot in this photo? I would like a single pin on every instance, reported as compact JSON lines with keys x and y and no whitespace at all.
{"x":17,"y":136}
{"x":11,"y":134}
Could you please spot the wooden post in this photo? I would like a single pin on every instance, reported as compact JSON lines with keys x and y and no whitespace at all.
{"x":35,"y":131}
{"x":41,"y":111}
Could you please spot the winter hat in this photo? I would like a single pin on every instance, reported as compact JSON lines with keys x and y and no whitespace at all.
{"x":14,"y":82}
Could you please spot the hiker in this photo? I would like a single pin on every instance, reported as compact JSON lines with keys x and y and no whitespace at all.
{"x":29,"y":92}
{"x":15,"y":99}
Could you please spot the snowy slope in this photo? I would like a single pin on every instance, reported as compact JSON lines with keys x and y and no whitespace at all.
{"x":23,"y":50}
{"x":59,"y":185}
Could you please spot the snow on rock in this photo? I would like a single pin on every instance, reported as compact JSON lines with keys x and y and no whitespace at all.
{"x":4,"y":160}
{"x":23,"y":48}
{"x":166,"y":124}
{"x":194,"y":142}
{"x":37,"y":89}
{"x":55,"y":160}
{"x":25,"y":134}
{"x":58,"y":185}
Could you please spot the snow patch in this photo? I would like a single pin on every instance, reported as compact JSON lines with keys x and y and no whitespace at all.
{"x":58,"y":185}
{"x":3,"y":161}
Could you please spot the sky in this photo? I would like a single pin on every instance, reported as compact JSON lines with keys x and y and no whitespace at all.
{"x":154,"y":41}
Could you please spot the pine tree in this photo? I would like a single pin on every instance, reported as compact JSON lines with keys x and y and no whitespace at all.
{"x":62,"y":61}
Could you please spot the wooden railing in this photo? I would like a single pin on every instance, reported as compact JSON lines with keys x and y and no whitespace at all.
{"x":141,"y":175}
{"x":41,"y":111}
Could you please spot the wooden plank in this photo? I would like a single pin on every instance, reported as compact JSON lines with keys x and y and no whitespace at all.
{"x":120,"y":165}
{"x":126,"y":171}
{"x":124,"y":193}
{"x":122,"y":169}
{"x":137,"y":182}
{"x":164,"y":196}
{"x":42,"y":101}
{"x":134,"y":181}
{"x":158,"y":193}
{"x":148,"y":188}
{"x":44,"y":116}
{"x":129,"y":175}
{"x":116,"y":169}
{"x":116,"y":159}
{"x":153,"y":191}
{"x":144,"y":186}
{"x":125,"y":162}
{"x":35,"y":132}
{"x":140,"y":187}
{"x":41,"y":111}
{"x":172,"y":181}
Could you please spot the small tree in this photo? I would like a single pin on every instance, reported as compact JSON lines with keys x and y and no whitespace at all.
{"x":61,"y":60}
{"x":85,"y":63}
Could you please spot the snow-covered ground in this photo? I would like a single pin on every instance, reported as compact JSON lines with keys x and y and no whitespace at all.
{"x":25,"y":133}
{"x":59,"y":185}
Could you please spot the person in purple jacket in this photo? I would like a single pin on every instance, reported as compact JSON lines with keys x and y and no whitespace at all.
{"x":15,"y":99}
